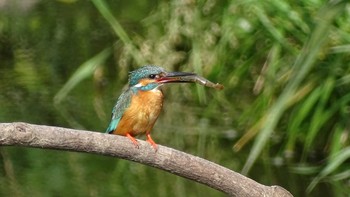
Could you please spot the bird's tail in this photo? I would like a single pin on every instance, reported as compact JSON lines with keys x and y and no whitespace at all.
{"x":112,"y":125}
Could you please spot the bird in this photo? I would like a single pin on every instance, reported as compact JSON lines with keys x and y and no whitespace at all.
{"x":139,"y":106}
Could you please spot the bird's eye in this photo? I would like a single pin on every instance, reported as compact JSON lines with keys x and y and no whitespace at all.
{"x":152,"y":76}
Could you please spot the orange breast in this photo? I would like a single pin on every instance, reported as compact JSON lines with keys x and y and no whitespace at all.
{"x":142,"y":113}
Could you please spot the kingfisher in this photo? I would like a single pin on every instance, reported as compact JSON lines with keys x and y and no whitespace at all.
{"x":139,"y":106}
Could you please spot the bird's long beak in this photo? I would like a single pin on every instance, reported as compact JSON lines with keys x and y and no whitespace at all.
{"x":176,"y":77}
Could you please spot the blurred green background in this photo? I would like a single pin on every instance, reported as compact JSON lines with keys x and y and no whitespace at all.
{"x":282,"y":119}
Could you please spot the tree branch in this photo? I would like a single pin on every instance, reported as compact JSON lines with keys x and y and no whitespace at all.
{"x":168,"y":159}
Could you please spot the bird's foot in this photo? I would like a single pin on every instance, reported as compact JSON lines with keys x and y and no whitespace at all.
{"x":134,"y":141}
{"x":149,"y":139}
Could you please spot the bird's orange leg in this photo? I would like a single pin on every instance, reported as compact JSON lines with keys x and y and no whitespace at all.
{"x":149,"y":139}
{"x":133,"y":140}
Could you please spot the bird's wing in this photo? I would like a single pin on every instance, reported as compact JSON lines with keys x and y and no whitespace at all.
{"x":123,"y":102}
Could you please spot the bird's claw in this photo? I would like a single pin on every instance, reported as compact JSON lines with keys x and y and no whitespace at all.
{"x":134,"y":141}
{"x":149,"y":140}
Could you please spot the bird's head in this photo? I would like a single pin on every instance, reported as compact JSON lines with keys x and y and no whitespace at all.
{"x":150,"y":77}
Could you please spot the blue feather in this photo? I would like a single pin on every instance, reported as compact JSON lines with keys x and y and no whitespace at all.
{"x":112,"y":125}
{"x":122,"y":104}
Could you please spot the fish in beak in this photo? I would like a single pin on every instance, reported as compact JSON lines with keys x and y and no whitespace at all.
{"x":184,"y":77}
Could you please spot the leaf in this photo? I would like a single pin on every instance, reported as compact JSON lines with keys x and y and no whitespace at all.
{"x":84,"y":71}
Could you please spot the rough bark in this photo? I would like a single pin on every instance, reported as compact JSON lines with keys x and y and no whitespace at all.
{"x":168,"y":159}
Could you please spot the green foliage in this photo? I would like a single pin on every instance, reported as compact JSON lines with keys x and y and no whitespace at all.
{"x":284,"y":109}
{"x":84,"y":71}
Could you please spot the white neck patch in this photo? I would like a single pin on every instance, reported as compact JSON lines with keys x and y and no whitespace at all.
{"x":138,"y":85}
